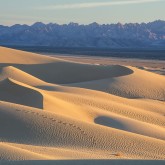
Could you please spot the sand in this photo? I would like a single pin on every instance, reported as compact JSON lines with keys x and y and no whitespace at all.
{"x":60,"y":111}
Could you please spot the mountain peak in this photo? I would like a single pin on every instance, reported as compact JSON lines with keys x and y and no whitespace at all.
{"x":94,"y":24}
{"x":38,"y":25}
{"x":73,"y":24}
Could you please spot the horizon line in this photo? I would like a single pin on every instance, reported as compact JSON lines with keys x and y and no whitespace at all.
{"x":79,"y":24}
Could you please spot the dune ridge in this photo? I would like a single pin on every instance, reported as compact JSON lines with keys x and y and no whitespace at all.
{"x":53,"y":109}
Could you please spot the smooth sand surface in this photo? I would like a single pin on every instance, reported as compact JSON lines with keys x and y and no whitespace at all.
{"x":65,"y":112}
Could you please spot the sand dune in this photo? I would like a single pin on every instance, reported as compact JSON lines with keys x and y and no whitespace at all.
{"x":19,"y":57}
{"x":53,"y":109}
{"x":139,"y":84}
{"x":20,"y":76}
{"x":59,"y":71}
{"x":14,"y":92}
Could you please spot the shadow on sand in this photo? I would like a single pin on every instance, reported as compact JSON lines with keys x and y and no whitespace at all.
{"x":85,"y":162}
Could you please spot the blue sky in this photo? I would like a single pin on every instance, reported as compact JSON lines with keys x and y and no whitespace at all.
{"x":80,"y":11}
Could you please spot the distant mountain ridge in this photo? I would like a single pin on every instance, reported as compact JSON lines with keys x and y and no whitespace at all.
{"x":93,"y":35}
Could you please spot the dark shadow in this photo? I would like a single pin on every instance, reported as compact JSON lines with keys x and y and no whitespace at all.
{"x":15,"y":93}
{"x":48,"y":88}
{"x":109,"y":122}
{"x":85,"y":162}
{"x":66,"y":72}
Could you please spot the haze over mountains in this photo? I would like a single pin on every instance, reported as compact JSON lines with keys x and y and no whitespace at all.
{"x":93,"y":35}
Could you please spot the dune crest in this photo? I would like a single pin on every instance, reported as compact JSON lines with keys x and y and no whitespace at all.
{"x":12,"y":56}
{"x":17,"y":74}
{"x":139,"y":84}
{"x":53,"y":109}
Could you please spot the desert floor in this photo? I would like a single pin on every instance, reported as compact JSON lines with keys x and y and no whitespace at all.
{"x":80,"y":110}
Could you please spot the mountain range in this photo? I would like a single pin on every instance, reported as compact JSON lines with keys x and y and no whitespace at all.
{"x":93,"y":35}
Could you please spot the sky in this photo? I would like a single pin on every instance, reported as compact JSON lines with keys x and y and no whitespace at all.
{"x":80,"y":11}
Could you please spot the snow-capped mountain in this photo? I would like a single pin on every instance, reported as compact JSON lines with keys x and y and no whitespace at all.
{"x":93,"y":35}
